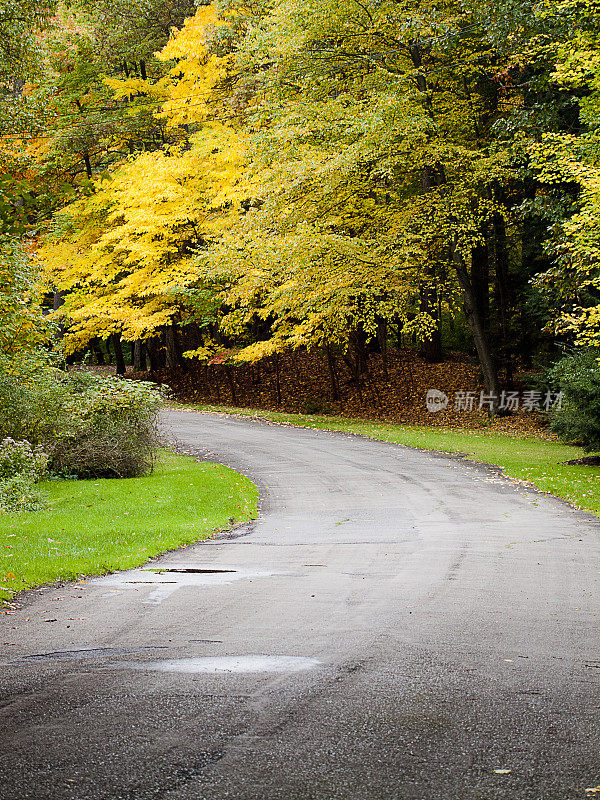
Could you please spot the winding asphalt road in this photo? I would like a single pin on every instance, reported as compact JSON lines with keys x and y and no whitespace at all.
{"x":396,"y":626}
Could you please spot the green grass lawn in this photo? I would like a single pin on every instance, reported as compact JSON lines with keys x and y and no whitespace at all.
{"x":94,"y":527}
{"x":533,"y":459}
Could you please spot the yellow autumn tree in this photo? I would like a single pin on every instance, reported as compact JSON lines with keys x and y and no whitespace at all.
{"x":122,"y":256}
{"x":372,"y":183}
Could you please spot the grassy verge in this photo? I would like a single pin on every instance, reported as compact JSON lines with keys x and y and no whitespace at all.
{"x":94,"y":527}
{"x":533,"y":459}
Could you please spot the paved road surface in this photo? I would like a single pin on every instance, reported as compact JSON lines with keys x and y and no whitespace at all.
{"x":397,"y":625}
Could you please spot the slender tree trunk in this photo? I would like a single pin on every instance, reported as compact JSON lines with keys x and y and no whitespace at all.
{"x":154,"y":356}
{"x":356,"y":358}
{"x":88,"y":165}
{"x":502,"y":290}
{"x":171,"y":347}
{"x":57,"y":300}
{"x":86,"y":154}
{"x":480,"y":280}
{"x":480,"y":337}
{"x":399,"y":336}
{"x":139,"y":357}
{"x":96,"y":348}
{"x":333,"y":377}
{"x":277,"y":380}
{"x":431,"y":348}
{"x":116,"y":341}
{"x":382,"y":338}
{"x":174,"y":357}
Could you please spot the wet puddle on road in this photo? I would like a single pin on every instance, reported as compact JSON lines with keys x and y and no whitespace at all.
{"x":231,"y":664}
{"x":171,"y":577}
{"x":86,"y":653}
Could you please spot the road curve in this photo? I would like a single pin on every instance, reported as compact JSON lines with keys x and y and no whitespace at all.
{"x":397,"y":625}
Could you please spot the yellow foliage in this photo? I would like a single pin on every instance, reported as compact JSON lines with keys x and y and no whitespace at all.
{"x":191,"y":81}
{"x":125,"y":254}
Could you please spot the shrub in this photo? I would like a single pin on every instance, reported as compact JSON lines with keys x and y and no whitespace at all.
{"x":91,"y":426}
{"x":32,"y":394}
{"x":19,"y":494}
{"x":578,"y":377}
{"x":20,"y":458}
{"x":107,"y":428}
{"x":315,"y":405}
{"x":21,"y":467}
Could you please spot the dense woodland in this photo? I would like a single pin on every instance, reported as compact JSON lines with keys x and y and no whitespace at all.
{"x":187,"y":185}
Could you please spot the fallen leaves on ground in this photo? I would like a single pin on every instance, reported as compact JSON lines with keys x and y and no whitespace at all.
{"x":305,"y":387}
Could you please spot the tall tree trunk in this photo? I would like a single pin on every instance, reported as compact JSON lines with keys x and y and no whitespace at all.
{"x":382,"y":339}
{"x":431,"y":348}
{"x":480,"y":280}
{"x":96,"y":348}
{"x":154,"y":354}
{"x":277,"y":380}
{"x":356,"y":357}
{"x":502,"y":290}
{"x":333,"y":377}
{"x":478,"y":331}
{"x":171,"y":347}
{"x":139,"y":356}
{"x":116,"y":342}
{"x":88,"y":165}
{"x":399,"y":335}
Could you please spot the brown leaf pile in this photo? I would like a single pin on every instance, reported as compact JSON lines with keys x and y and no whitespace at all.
{"x":305,"y":386}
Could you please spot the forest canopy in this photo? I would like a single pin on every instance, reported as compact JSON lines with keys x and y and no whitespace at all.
{"x":251,"y":180}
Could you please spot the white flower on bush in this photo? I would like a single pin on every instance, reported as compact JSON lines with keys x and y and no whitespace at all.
{"x":20,"y":458}
{"x":21,"y":467}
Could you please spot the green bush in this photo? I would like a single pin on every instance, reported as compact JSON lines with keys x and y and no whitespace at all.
{"x":90,"y":426}
{"x":106,"y":427}
{"x":20,"y":458}
{"x":21,"y":467}
{"x":30,"y":396}
{"x":578,"y":377}
{"x":18,"y":494}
